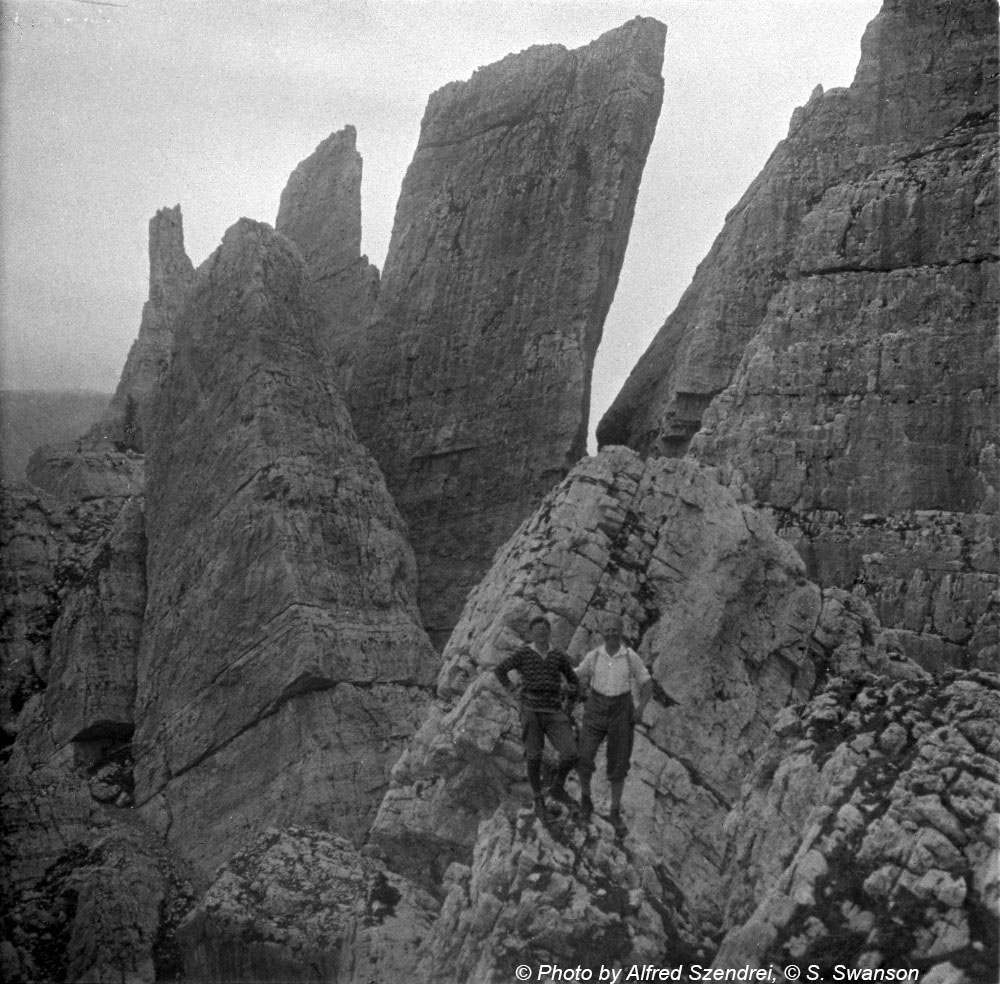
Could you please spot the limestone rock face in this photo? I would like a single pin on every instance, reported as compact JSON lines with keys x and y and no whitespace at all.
{"x":95,"y":642}
{"x":560,"y":895}
{"x":720,"y":612}
{"x":303,"y":905}
{"x":320,"y":212}
{"x":46,"y":547}
{"x":87,"y":469}
{"x":471,"y":387}
{"x":845,"y":324}
{"x":87,"y":893}
{"x":867,"y":834}
{"x":282,"y":660}
{"x":852,"y":164}
{"x":127,"y":421}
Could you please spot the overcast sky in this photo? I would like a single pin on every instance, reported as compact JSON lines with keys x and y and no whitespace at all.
{"x":111,"y":110}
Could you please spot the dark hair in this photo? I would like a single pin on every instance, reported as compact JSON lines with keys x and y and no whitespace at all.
{"x":537,"y":619}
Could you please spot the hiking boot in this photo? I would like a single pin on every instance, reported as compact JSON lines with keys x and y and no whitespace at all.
{"x":586,"y":808}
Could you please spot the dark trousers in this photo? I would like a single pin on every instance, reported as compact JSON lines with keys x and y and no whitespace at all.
{"x":612,"y":718}
{"x":555,"y":725}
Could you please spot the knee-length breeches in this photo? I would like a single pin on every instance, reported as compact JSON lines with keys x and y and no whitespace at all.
{"x":612,"y":718}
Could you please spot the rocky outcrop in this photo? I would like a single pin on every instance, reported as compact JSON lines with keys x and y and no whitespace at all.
{"x":867,"y":834}
{"x":31,"y":418}
{"x":925,"y":74}
{"x":87,"y":893}
{"x":282,"y":661}
{"x":819,"y":345}
{"x":320,"y":212}
{"x":95,"y":642}
{"x":562,"y":895}
{"x":46,"y":548}
{"x":85,"y":470}
{"x":127,"y":422}
{"x":472,"y":385}
{"x":720,"y":611}
{"x":303,"y":905}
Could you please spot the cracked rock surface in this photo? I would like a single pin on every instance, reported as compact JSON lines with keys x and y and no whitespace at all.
{"x":720,"y":611}
{"x":867,"y":834}
{"x":282,"y":660}
{"x":301,"y":904}
{"x":471,"y":385}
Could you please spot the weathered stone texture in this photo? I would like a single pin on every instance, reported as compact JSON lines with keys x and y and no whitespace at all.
{"x":320,"y":212}
{"x":282,"y":660}
{"x":558,"y":894}
{"x":472,"y":386}
{"x":95,"y":642}
{"x":127,"y":422}
{"x":303,"y":905}
{"x":725,"y":619}
{"x":927,"y":74}
{"x":867,"y":834}
{"x":838,"y":347}
{"x":46,"y":547}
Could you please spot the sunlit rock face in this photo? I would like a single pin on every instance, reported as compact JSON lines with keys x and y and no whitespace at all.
{"x":282,"y":660}
{"x":719,"y":609}
{"x":837,"y":349}
{"x":867,"y":836}
{"x":320,"y":212}
{"x":471,"y":384}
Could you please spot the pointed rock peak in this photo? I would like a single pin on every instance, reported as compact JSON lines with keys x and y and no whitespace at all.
{"x":168,"y":263}
{"x":253,"y":257}
{"x":320,"y":208}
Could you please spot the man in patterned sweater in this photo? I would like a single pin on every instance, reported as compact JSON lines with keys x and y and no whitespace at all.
{"x":543,"y":672}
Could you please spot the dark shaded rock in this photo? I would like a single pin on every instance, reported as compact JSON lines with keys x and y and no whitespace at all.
{"x":304,"y":905}
{"x":95,"y":642}
{"x":282,"y":661}
{"x":471,"y":387}
{"x":320,"y":212}
{"x":46,"y":547}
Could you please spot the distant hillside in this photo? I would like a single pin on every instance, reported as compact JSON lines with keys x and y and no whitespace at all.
{"x":31,"y":418}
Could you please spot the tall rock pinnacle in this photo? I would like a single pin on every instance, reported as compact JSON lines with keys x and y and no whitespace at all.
{"x":170,"y":275}
{"x":320,"y":211}
{"x":281,"y":626}
{"x":472,"y":384}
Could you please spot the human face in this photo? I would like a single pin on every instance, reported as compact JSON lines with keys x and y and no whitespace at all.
{"x":612,"y":636}
{"x":540,"y":633}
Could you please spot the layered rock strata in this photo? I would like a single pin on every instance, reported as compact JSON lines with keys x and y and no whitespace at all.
{"x":282,"y":661}
{"x":472,"y":384}
{"x":720,"y":611}
{"x":320,"y":211}
{"x":867,"y":834}
{"x":838,"y":347}
{"x":127,"y":422}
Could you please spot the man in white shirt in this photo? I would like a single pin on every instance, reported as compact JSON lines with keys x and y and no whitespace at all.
{"x":612,"y":671}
